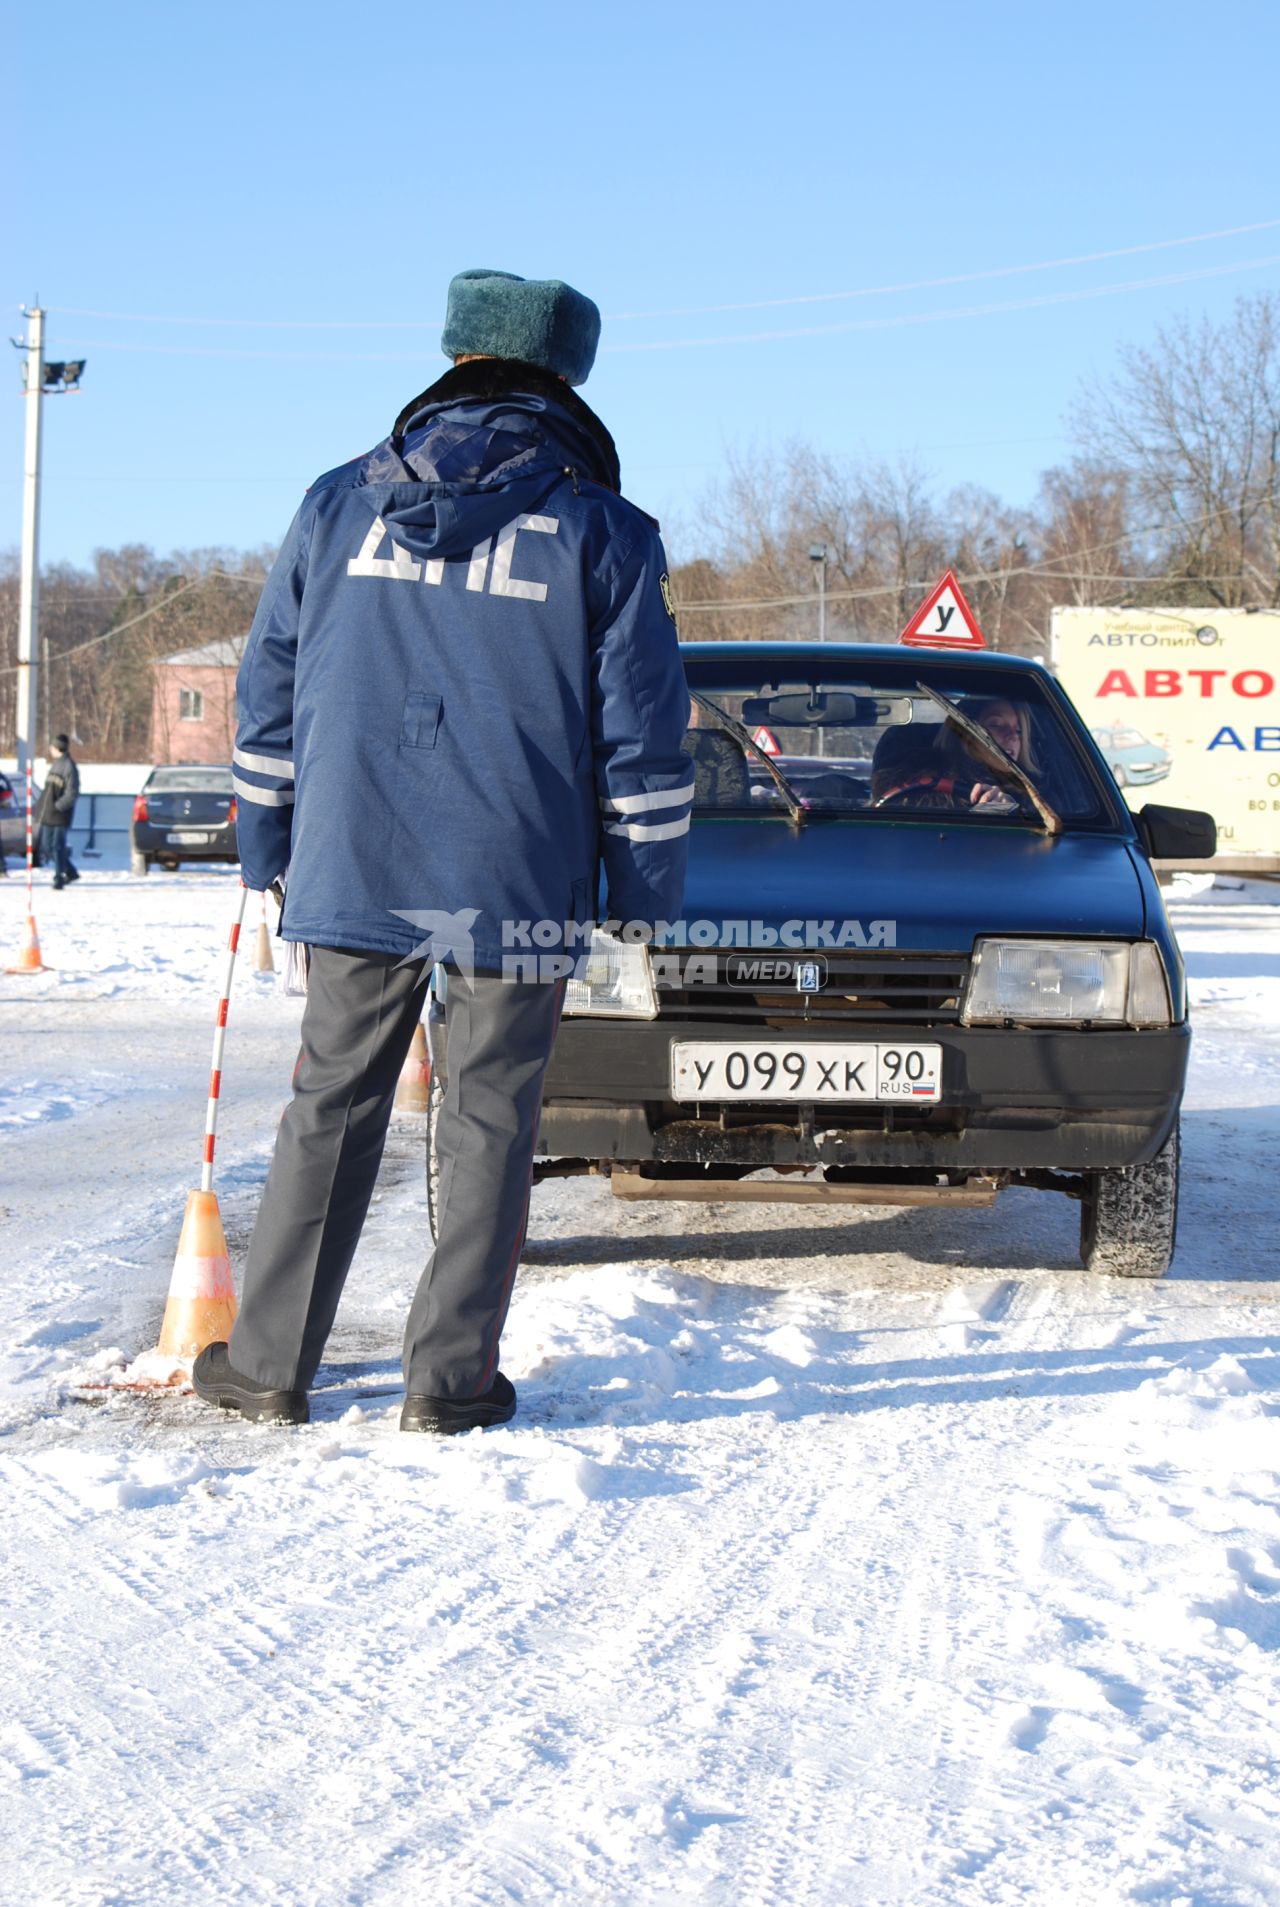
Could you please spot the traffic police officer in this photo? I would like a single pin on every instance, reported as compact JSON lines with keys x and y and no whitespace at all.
{"x":461,"y":692}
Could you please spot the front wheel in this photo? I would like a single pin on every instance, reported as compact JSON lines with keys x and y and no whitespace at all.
{"x":1129,"y":1216}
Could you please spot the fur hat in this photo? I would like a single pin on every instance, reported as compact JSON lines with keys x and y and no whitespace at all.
{"x":494,"y":314}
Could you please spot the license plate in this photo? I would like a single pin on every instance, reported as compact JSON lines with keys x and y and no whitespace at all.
{"x":805,"y":1069}
{"x":186,"y":839}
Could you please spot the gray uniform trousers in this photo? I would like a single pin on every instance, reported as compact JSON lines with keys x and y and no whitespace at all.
{"x":359,"y":1019}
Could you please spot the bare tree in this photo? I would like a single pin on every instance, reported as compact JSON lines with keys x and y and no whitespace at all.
{"x":1195,"y":421}
{"x":102,"y":630}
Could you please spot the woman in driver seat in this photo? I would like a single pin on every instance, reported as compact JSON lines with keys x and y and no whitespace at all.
{"x":934,"y":767}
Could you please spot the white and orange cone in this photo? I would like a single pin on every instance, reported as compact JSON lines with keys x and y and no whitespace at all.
{"x":201,"y":1307}
{"x":413,"y":1093}
{"x":29,"y":960}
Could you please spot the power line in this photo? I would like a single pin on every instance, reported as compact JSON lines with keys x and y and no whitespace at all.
{"x":171,"y":596}
{"x":729,"y":338}
{"x":1041,"y":570}
{"x":957,"y":278}
{"x":1032,"y":571}
{"x":957,"y":311}
{"x":1029,"y":571}
{"x":695,"y":311}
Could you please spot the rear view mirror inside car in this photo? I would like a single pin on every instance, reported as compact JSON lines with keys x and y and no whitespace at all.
{"x":818,"y":708}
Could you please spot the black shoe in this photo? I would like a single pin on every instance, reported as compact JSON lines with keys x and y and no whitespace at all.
{"x":57,"y":886}
{"x":218,"y":1382}
{"x":447,"y":1416}
{"x":73,"y":874}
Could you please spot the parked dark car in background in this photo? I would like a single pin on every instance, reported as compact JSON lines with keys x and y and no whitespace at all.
{"x":13,"y":837}
{"x":924,"y":957}
{"x":13,"y":818}
{"x":187,"y":813}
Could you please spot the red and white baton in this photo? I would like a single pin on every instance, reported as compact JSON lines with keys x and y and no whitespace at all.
{"x":219,"y":1040}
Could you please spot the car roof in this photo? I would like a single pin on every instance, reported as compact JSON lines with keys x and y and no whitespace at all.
{"x":191,"y":767}
{"x":880,"y":653}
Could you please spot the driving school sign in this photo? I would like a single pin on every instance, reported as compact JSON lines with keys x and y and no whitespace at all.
{"x":944,"y":620}
{"x":1185,"y":705}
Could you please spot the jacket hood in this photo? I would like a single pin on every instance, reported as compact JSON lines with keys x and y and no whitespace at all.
{"x":487,"y":442}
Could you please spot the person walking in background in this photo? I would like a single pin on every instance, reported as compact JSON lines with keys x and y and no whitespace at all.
{"x":55,"y":811}
{"x":462,"y":689}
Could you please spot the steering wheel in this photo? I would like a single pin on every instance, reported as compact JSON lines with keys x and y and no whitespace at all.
{"x":954,"y":793}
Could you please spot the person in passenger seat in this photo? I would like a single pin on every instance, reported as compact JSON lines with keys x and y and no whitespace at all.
{"x":907,"y":769}
{"x":721,"y":778}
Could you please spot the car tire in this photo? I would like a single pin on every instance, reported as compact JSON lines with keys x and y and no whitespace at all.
{"x":1129,"y":1216}
{"x":168,"y":863}
{"x":139,"y":863}
{"x":435,"y":1099}
{"x":1119,"y":777}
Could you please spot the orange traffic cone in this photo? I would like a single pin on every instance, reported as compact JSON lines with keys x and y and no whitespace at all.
{"x":264,"y":959}
{"x":29,"y":960}
{"x":202,"y":1298}
{"x":413,"y":1094}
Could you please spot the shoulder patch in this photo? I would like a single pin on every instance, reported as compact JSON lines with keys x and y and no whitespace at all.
{"x":664,"y":584}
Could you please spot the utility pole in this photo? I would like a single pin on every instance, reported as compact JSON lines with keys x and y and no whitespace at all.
{"x":29,"y":599}
{"x":62,"y":378}
{"x":818,"y":557}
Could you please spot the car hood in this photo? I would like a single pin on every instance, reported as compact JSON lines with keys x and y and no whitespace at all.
{"x":939,"y":886}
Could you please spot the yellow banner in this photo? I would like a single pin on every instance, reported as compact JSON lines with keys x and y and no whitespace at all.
{"x":1184,"y":705}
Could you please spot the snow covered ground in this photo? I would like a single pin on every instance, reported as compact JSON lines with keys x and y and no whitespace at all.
{"x":856,"y":1557}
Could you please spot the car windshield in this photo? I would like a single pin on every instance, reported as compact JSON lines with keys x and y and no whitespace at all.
{"x":880,"y":743}
{"x":197,"y":781}
{"x":1120,"y":738}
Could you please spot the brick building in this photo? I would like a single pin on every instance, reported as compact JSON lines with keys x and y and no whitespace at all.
{"x":193,"y":702}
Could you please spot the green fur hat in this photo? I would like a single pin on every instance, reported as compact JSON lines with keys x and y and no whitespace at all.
{"x":494,"y":314}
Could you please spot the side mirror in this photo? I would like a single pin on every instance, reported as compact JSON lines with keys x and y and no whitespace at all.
{"x":1177,"y":834}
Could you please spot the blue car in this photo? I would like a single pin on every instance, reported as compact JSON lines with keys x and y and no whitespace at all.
{"x":923,"y":957}
{"x":1133,"y":760}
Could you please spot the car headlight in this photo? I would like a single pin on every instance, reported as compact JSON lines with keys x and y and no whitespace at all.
{"x":1113,"y":982}
{"x":614,"y":977}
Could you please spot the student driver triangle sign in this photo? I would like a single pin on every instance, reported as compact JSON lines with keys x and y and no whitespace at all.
{"x":944,"y":620}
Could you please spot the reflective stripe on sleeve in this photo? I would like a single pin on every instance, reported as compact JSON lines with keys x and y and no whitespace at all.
{"x":265,"y":797}
{"x":279,"y":766}
{"x":641,"y":804}
{"x":662,"y":831}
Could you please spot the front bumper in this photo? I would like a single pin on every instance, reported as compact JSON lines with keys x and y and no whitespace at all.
{"x":1012,"y":1099}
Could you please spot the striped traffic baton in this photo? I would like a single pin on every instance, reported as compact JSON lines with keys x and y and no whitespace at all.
{"x":201,"y":1308}
{"x":219,"y":1040}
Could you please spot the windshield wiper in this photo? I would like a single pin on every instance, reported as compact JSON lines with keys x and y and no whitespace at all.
{"x":993,"y":756}
{"x":730,"y":726}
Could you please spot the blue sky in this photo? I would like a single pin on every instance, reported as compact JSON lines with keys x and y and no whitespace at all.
{"x":312,"y":176}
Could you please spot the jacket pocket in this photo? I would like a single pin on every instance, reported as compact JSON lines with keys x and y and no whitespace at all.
{"x":582,"y":902}
{"x":420,"y":722}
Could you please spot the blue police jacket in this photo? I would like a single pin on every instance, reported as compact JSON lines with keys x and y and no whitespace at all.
{"x":463,"y":688}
